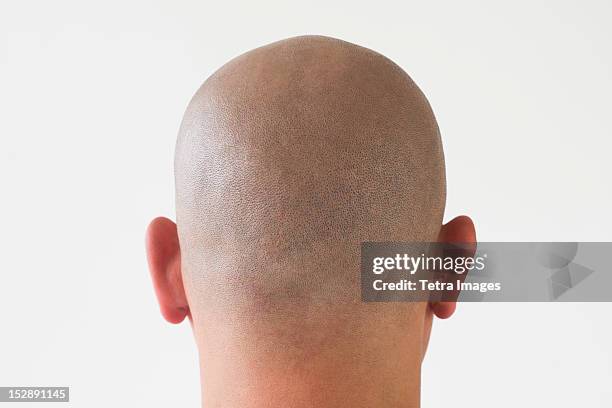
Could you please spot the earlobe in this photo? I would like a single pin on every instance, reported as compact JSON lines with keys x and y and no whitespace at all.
{"x":443,"y":310}
{"x":164,"y":258}
{"x":458,"y":230}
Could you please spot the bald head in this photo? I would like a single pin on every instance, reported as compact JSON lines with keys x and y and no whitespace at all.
{"x":289,"y":157}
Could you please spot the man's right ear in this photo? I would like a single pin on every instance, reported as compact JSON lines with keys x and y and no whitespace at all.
{"x":459,"y":230}
{"x":164,"y":256}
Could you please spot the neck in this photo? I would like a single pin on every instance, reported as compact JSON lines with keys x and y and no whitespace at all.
{"x":313,"y":387}
{"x":345,"y":374}
{"x":356,"y":355}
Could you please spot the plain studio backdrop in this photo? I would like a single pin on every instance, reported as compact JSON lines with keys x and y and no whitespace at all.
{"x":91,"y":97}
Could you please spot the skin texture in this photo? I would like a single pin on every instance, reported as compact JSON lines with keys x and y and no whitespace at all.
{"x":289,"y":157}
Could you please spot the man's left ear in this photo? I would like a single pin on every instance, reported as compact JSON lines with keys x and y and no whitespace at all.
{"x":458,"y":230}
{"x":164,"y":256}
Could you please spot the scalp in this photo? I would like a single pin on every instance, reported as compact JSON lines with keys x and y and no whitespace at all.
{"x":291,"y":155}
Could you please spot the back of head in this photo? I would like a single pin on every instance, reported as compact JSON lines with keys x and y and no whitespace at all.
{"x":288,"y":158}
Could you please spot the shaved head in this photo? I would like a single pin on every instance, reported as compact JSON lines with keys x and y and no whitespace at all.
{"x":288,"y":158}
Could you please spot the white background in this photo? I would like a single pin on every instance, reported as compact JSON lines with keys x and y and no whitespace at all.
{"x":91,"y":96}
